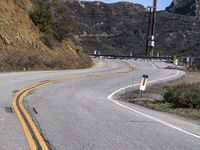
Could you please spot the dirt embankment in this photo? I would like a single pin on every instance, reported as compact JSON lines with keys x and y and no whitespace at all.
{"x":22,"y":49}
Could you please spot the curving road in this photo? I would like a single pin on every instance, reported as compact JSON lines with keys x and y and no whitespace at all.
{"x":77,"y":109}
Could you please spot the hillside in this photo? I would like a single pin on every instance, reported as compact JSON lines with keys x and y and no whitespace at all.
{"x":120,"y":28}
{"x":184,"y":7}
{"x":21,"y":47}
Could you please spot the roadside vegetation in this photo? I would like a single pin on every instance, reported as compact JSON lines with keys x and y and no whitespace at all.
{"x":167,"y":107}
{"x":195,"y":67}
{"x":181,"y":97}
{"x":42,"y":19}
{"x":53,"y":21}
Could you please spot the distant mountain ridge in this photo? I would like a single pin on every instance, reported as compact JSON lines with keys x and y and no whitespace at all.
{"x":120,"y":28}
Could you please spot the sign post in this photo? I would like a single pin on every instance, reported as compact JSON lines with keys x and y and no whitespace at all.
{"x":143,"y":85}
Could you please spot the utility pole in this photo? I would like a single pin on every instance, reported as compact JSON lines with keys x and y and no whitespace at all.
{"x":150,"y":45}
{"x":149,"y":10}
{"x":197,"y":10}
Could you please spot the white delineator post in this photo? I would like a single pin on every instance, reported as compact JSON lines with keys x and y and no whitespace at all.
{"x":176,"y":62}
{"x":143,"y":84}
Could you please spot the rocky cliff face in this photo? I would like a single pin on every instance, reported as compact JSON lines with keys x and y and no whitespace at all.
{"x":121,"y":28}
{"x":184,"y":7}
{"x":21,"y":47}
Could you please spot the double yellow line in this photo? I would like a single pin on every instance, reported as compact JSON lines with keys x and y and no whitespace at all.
{"x":34,"y":137}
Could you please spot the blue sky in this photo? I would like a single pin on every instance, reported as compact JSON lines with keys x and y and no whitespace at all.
{"x":162,"y":4}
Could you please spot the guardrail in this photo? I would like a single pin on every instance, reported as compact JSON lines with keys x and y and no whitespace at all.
{"x":130,"y":57}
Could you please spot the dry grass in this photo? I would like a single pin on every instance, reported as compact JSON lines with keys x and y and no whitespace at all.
{"x":190,"y":77}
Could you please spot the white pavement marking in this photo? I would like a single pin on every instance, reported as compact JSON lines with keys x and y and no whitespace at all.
{"x":148,"y":116}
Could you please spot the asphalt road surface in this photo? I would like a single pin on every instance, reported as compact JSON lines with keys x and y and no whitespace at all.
{"x":79,"y":111}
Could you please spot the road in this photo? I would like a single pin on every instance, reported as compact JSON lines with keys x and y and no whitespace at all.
{"x":77,"y":109}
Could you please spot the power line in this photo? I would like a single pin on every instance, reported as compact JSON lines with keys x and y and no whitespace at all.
{"x":102,"y":15}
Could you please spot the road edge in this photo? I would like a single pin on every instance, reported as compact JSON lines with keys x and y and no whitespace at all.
{"x":177,"y":75}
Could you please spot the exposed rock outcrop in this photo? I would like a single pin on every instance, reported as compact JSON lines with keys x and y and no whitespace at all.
{"x":184,"y":7}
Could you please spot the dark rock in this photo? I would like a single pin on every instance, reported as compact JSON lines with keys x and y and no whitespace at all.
{"x":184,"y":7}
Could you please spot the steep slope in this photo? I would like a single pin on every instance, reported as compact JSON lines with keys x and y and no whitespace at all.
{"x":184,"y":7}
{"x":22,"y":49}
{"x":26,"y":5}
{"x":121,"y":28}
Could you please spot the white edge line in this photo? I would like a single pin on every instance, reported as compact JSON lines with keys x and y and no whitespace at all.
{"x":148,"y":116}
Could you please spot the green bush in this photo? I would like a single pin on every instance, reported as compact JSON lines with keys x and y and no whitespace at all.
{"x":48,"y":40}
{"x":183,"y":95}
{"x":52,"y":20}
{"x":42,"y":18}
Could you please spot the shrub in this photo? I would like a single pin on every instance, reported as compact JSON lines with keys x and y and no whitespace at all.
{"x":195,"y":67}
{"x":51,"y":19}
{"x":65,"y":26}
{"x":183,"y":95}
{"x":42,"y":18}
{"x":48,"y":40}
